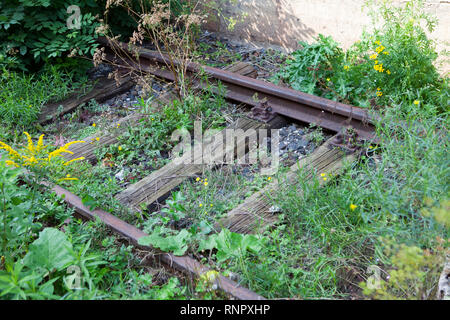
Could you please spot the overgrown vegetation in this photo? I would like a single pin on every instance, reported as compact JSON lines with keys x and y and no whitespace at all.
{"x":380,"y":230}
{"x":24,"y":95}
{"x":37,"y":30}
{"x":391,"y":65}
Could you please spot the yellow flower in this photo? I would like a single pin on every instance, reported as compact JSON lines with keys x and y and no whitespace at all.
{"x":40,"y":144}
{"x":328,"y":79}
{"x":67,"y":178}
{"x":206,"y":179}
{"x":353,"y":207}
{"x":12,"y":153}
{"x":73,"y":160}
{"x":322,"y":174}
{"x":118,"y":125}
{"x":198,"y":179}
{"x":211,"y":205}
{"x":120,"y":148}
{"x":63,"y":149}
{"x":94,"y":125}
{"x":379,"y":67}
{"x":379,"y":94}
{"x":324,"y":178}
{"x":373,"y":57}
{"x":386,"y":53}
{"x":98,"y":139}
{"x":206,"y":183}
{"x":416,"y":102}
{"x":30,"y":146}
{"x":380,"y":48}
{"x":388,"y":72}
{"x":11,"y":163}
{"x":269,"y":178}
{"x":346,"y":67}
{"x":200,"y":205}
{"x":378,"y":42}
{"x":30,"y":161}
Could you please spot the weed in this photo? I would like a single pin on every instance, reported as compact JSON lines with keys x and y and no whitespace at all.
{"x":23,"y":95}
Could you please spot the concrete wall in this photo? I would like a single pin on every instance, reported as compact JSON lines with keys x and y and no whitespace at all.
{"x":284,"y":22}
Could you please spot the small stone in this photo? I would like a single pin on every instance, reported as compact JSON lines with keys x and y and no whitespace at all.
{"x":119,"y":175}
{"x":293,"y":146}
{"x":274,"y":209}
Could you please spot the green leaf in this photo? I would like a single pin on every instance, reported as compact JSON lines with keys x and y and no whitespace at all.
{"x":89,"y":202}
{"x":50,"y":251}
{"x":177,"y":244}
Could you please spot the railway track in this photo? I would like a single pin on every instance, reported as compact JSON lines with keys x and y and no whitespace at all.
{"x":280,"y":105}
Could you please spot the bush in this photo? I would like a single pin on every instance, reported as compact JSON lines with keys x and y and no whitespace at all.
{"x":391,"y":65}
{"x":36,"y":30}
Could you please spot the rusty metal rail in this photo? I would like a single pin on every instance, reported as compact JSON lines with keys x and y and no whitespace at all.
{"x":185,"y":264}
{"x":291,"y":103}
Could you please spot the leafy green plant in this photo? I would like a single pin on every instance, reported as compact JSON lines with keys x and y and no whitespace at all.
{"x":413,"y":275}
{"x":36,"y":30}
{"x":51,"y":251}
{"x":392,"y":64}
{"x":306,"y":68}
{"x":15,"y":225}
{"x":232,"y":245}
{"x":22,"y":96}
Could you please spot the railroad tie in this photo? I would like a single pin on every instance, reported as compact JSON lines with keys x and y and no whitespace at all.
{"x":110,"y":134}
{"x":159,"y":183}
{"x":257,"y":211}
{"x":103,"y":90}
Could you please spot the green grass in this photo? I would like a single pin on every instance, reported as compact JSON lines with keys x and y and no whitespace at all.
{"x":23,"y":95}
{"x":321,"y":244}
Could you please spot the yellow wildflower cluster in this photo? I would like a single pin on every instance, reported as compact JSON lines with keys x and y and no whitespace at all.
{"x":34,"y":156}
{"x":380,"y":48}
{"x":205,"y":182}
{"x":377,"y":65}
{"x":379,"y":93}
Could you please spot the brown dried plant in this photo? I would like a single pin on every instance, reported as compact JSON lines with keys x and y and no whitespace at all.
{"x":172,"y":36}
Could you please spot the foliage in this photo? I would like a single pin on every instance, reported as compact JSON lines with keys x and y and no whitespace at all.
{"x":22,"y":96}
{"x":233,"y":245}
{"x":38,"y":160}
{"x":36,"y":30}
{"x":229,"y":245}
{"x":50,"y":251}
{"x":321,"y":246}
{"x":414,"y":275}
{"x":441,"y":212}
{"x":16,"y":226}
{"x":391,"y":65}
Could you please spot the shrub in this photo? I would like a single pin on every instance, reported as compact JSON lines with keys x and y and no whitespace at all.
{"x":36,"y":30}
{"x":391,"y":65}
